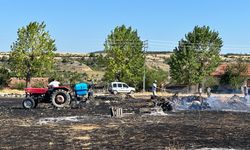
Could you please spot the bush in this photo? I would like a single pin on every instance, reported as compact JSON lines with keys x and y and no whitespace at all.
{"x":67,"y":77}
{"x":4,"y":77}
{"x":19,"y":85}
{"x":92,"y":55}
{"x":166,"y":60}
{"x":159,"y":75}
{"x":38,"y":85}
{"x":211,"y":82}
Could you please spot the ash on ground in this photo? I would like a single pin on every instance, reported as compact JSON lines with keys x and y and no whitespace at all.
{"x":143,"y":125}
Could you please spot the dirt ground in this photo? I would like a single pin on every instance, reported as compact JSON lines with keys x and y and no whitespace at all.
{"x":91,"y":127}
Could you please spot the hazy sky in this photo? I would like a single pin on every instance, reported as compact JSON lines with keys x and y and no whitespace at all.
{"x":82,"y":25}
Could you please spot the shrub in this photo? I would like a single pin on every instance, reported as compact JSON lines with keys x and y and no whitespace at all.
{"x":159,"y":75}
{"x":38,"y":85}
{"x":19,"y":85}
{"x":4,"y":77}
{"x":211,"y":82}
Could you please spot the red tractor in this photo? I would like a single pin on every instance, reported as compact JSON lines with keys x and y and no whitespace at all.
{"x":60,"y":96}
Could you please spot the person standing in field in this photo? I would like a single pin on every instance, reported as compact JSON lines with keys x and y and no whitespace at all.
{"x":245,"y":90}
{"x":208,"y":91}
{"x":154,"y":87}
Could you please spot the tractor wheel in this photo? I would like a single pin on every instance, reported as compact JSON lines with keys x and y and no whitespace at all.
{"x":60,"y":98}
{"x":29,"y":103}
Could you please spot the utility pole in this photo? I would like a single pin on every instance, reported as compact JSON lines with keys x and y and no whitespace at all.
{"x":145,"y":47}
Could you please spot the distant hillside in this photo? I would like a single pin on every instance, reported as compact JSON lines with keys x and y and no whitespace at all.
{"x":88,"y":63}
{"x":147,"y":52}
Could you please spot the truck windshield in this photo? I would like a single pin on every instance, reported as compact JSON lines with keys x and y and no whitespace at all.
{"x":125,"y":85}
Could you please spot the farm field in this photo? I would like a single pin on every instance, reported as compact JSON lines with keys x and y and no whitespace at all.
{"x":92,"y":127}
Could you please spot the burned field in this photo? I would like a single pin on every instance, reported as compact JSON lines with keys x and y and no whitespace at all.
{"x":90,"y":126}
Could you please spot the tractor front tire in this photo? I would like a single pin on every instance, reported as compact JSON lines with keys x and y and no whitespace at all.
{"x":60,"y":98}
{"x":29,"y":103}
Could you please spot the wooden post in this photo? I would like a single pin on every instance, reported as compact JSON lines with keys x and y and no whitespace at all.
{"x":116,"y":112}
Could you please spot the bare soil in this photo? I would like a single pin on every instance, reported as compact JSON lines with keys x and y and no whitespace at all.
{"x":91,"y":127}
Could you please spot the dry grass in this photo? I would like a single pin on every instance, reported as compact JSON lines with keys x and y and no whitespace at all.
{"x":85,"y":127}
{"x":111,"y":126}
{"x":10,"y":91}
{"x":86,"y":144}
{"x":85,"y":138}
{"x":96,"y":75}
{"x":148,"y":94}
{"x":17,"y":122}
{"x":141,"y":95}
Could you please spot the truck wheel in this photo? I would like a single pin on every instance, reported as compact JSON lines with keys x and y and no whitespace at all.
{"x":60,"y":98}
{"x":131,"y":92}
{"x":115,"y":92}
{"x":28,"y":103}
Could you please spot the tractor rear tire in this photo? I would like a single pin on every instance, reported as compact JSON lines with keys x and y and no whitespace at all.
{"x":60,"y":98}
{"x":29,"y":103}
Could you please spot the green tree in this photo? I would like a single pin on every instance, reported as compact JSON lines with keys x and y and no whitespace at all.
{"x":235,"y":74}
{"x":211,"y":82}
{"x":160,"y":76}
{"x":4,"y":77}
{"x":33,"y":51}
{"x":196,"y":56}
{"x":92,"y":55}
{"x":124,"y":56}
{"x":101,"y":61}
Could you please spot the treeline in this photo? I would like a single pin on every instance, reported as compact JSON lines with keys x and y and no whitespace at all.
{"x":197,"y":55}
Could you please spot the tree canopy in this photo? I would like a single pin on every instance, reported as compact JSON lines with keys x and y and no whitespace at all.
{"x":196,"y":56}
{"x":235,"y":74}
{"x":124,"y":56}
{"x":159,"y":75}
{"x":33,"y":51}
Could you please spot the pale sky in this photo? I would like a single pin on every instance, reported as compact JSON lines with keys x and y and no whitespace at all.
{"x":81,"y":26}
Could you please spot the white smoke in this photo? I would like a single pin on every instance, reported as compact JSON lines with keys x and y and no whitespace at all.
{"x":234,"y":103}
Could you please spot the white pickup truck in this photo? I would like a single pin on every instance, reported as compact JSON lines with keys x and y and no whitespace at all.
{"x":120,"y":87}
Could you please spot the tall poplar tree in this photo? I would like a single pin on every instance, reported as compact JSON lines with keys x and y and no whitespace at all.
{"x":124,"y":55}
{"x":196,"y":56}
{"x":33,"y":52}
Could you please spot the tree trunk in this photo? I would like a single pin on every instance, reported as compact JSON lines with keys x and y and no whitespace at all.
{"x":200,"y":89}
{"x":28,"y":74}
{"x":200,"y":92}
{"x":28,"y":78}
{"x":189,"y":88}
